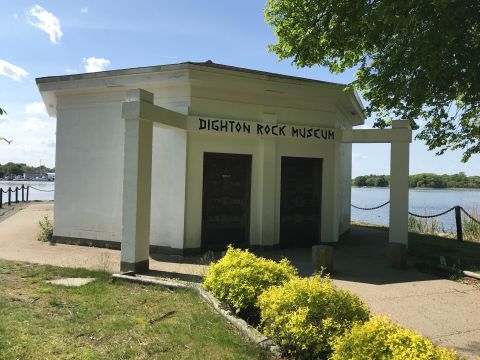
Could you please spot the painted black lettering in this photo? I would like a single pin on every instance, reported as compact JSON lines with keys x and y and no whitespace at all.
{"x":223,"y":126}
{"x":203,"y":124}
{"x":246,"y":128}
{"x":331,"y":134}
{"x":309,"y":133}
{"x":215,"y":125}
{"x":324,"y":134}
{"x":315,"y":133}
{"x":274,"y":130}
{"x":259,"y":129}
{"x":282,"y":130}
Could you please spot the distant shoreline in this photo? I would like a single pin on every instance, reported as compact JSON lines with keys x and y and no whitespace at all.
{"x":415,"y":188}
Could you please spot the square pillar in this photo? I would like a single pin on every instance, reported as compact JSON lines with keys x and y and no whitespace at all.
{"x":399,"y":172}
{"x":269,"y":185}
{"x":137,"y":177}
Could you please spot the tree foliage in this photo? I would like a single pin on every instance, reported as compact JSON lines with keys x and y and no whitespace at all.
{"x":416,"y":60}
{"x":424,"y":180}
{"x":11,"y":168}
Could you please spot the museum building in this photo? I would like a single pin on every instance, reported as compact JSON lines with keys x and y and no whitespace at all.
{"x":185,"y":158}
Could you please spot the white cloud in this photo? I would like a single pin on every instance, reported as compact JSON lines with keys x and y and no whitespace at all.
{"x":12,"y":71}
{"x":34,"y":124}
{"x":48,"y":142}
{"x":4,"y":119}
{"x":358,"y":156}
{"x":84,"y":10}
{"x":93,"y":64}
{"x":35,"y":108}
{"x":47,"y":22}
{"x":15,"y":16}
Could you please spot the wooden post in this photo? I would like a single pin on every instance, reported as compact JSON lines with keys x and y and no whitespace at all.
{"x":9,"y":196}
{"x":23,"y":188}
{"x":1,"y":198}
{"x":458,"y":220}
{"x":16,"y":194}
{"x":28,"y":189}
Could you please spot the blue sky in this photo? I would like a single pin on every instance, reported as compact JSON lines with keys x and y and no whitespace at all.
{"x":61,"y":37}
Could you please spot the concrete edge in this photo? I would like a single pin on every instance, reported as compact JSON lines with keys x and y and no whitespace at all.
{"x":471,"y":274}
{"x":241,"y":325}
{"x":142,"y":279}
{"x":459,"y":271}
{"x":252,"y":334}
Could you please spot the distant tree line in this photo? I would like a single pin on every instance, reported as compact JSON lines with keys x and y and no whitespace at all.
{"x":11,"y":168}
{"x":425,"y":180}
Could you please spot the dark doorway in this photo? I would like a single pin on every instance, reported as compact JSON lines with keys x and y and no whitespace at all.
{"x":226,"y":200}
{"x":301,"y":201}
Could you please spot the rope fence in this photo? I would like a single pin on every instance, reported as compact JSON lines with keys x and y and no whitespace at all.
{"x":43,"y":190}
{"x":20,"y":194}
{"x":458,"y":216}
{"x":371,"y":208}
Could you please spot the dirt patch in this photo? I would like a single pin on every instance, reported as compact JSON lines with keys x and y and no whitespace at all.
{"x":470,"y":281}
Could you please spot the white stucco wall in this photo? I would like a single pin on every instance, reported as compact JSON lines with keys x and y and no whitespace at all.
{"x":89,"y":166}
{"x":168,"y":187}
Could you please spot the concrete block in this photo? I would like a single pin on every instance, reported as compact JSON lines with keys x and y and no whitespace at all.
{"x":397,"y":255}
{"x":322,"y":256}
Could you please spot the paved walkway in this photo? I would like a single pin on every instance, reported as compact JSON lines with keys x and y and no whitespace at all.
{"x":445,"y":311}
{"x":18,"y":235}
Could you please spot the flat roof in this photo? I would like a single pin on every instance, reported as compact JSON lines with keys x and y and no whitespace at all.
{"x":178,"y":66}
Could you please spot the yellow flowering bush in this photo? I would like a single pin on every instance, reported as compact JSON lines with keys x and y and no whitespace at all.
{"x":304,"y":315}
{"x":381,"y":339}
{"x":240,"y":277}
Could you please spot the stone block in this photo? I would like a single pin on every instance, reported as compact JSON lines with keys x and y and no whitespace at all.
{"x":397,"y":255}
{"x":322,"y":256}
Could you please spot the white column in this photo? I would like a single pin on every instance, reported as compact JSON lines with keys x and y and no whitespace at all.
{"x":269,"y":188}
{"x":399,"y":171}
{"x":137,"y":175}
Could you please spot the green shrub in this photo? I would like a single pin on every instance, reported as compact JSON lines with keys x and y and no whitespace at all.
{"x":429,"y":226}
{"x":379,"y":338}
{"x":471,"y":229}
{"x":46,"y":230}
{"x":240,"y":277}
{"x":304,"y":315}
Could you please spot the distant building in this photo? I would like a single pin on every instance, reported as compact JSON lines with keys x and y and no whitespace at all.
{"x":31,"y":176}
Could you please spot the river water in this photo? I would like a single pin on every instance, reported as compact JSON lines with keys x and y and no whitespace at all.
{"x":44,"y":191}
{"x":421,"y":201}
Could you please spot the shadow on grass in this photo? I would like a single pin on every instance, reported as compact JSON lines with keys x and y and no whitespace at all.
{"x":461,"y":254}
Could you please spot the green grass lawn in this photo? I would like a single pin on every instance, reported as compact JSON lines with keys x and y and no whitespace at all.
{"x":107,"y":320}
{"x":463,"y":254}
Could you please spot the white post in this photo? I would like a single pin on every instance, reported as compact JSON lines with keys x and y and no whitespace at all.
{"x":399,"y":171}
{"x":269,"y":168}
{"x":137,"y":176}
